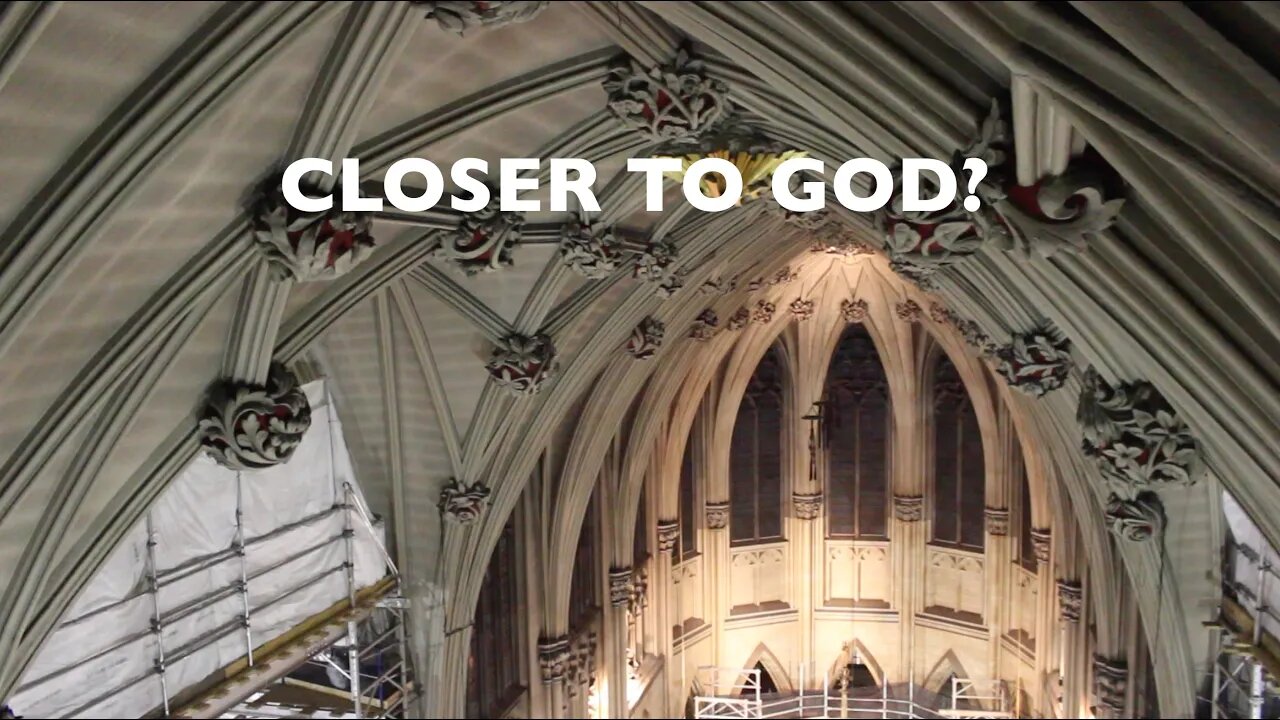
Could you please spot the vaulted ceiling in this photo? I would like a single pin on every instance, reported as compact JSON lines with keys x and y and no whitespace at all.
{"x":133,"y":135}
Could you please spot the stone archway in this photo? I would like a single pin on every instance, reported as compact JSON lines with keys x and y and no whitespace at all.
{"x":765,"y":658}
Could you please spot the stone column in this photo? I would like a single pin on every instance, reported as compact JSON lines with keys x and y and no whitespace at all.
{"x":553,"y":663}
{"x":1110,"y":686}
{"x":1042,"y":541}
{"x":1070,"y":612}
{"x":1000,"y":585}
{"x":615,"y":641}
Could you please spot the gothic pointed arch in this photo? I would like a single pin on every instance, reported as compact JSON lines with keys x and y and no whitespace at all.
{"x":854,"y":652}
{"x":765,"y":658}
{"x":944,"y":669}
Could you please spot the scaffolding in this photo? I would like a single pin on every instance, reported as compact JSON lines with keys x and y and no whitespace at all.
{"x":1242,"y":675}
{"x":216,"y":580}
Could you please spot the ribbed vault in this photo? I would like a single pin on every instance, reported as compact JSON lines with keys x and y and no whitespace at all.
{"x":130,"y":277}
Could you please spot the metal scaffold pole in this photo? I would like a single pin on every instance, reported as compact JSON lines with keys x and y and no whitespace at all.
{"x":353,"y":644}
{"x":244,"y":571}
{"x":157,"y":624}
{"x":1257,"y":684}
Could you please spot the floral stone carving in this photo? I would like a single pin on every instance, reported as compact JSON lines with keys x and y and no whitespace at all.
{"x":909,"y":311}
{"x":801,"y":309}
{"x":521,"y":364}
{"x":717,"y":286}
{"x":854,"y":310}
{"x":656,"y":264}
{"x":484,"y":239}
{"x":589,"y":249}
{"x":1057,"y":213}
{"x":1137,"y":520}
{"x":763,"y":312}
{"x":675,"y":101}
{"x":459,"y":16}
{"x":705,"y":326}
{"x":247,"y":427}
{"x":309,"y":246}
{"x":1134,"y":435}
{"x":1036,"y":362}
{"x":738,"y":320}
{"x":646,"y":338}
{"x":463,"y":504}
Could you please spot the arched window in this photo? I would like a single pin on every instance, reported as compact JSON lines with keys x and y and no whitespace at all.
{"x":493,"y":677}
{"x":755,"y":458}
{"x":584,"y":589}
{"x":688,"y":505}
{"x":857,"y":427}
{"x":1026,"y":547}
{"x":959,"y":486}
{"x":640,"y":545}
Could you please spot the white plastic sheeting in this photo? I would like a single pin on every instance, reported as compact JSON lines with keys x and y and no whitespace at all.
{"x":102,"y":660}
{"x":1246,"y":533}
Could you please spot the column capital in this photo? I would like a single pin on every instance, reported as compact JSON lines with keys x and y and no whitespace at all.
{"x":1041,"y":542}
{"x":668,"y":535}
{"x":1070,"y":600}
{"x":717,"y":515}
{"x":553,"y":658}
{"x":908,"y":508}
{"x":620,"y":586}
{"x":997,"y":521}
{"x":1110,"y":684}
{"x":807,"y":506}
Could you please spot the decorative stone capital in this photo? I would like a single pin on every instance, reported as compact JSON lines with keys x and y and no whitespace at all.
{"x":484,"y":238}
{"x":620,"y":587}
{"x":717,"y":515}
{"x":1136,"y":520}
{"x":308,"y":246}
{"x":668,"y":535}
{"x":839,"y":244}
{"x":784,"y":276}
{"x":854,"y":311}
{"x":553,"y":658}
{"x":1070,"y":600}
{"x":738,"y":320}
{"x":1041,"y":543}
{"x":675,"y":101}
{"x":590,"y":249}
{"x":639,"y":589}
{"x":997,"y":520}
{"x":249,"y":427}
{"x":718,"y":285}
{"x":705,"y":326}
{"x":656,"y":264}
{"x":1134,"y":436}
{"x":763,"y":312}
{"x":646,"y":338}
{"x":460,"y":16}
{"x":522,"y":364}
{"x":808,"y":506}
{"x":1110,"y":684}
{"x":908,"y":508}
{"x":1035,"y":362}
{"x":909,"y":311}
{"x":463,"y":504}
{"x":801,"y":309}
{"x":1055,"y":214}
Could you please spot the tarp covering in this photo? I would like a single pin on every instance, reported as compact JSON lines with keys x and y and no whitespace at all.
{"x":1246,"y":533}
{"x":102,"y":659}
